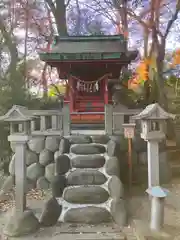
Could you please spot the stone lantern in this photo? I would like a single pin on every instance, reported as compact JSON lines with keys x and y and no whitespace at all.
{"x":19,"y":136}
{"x":152,"y":120}
{"x":20,"y":119}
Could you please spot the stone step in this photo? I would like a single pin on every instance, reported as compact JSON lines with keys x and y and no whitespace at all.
{"x":85,"y":195}
{"x":79,"y":139}
{"x":90,"y":236}
{"x":100,"y":236}
{"x":75,"y":231}
{"x":87,"y":149}
{"x":86,"y":177}
{"x":88,"y":215}
{"x":88,"y":161}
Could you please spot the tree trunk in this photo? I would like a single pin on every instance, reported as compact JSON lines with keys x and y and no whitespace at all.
{"x":58,"y":9}
{"x":60,"y":17}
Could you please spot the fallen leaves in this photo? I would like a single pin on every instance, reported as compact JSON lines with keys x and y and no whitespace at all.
{"x":36,"y":194}
{"x":8,"y":203}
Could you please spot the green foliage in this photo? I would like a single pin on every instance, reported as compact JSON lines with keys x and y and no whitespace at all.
{"x":14,"y":92}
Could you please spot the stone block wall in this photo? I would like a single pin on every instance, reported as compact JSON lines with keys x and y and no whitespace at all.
{"x":84,"y":174}
{"x":87,"y":175}
{"x":42,"y":153}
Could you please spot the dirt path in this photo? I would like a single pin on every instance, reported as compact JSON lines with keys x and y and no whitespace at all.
{"x":140,"y":207}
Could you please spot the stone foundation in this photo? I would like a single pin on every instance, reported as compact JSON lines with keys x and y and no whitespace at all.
{"x":83,"y":172}
{"x":86,"y":175}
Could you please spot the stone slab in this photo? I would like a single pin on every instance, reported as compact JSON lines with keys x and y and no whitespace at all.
{"x":86,"y":177}
{"x":79,"y":139}
{"x":69,"y":231}
{"x":90,"y":214}
{"x":87,"y":149}
{"x":86,"y":195}
{"x":100,"y":236}
{"x":89,"y":132}
{"x":103,"y":139}
{"x":84,"y":236}
{"x":88,"y":161}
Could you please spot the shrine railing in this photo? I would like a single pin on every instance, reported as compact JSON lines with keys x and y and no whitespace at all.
{"x":114,"y":120}
{"x":46,"y":122}
{"x":58,"y":123}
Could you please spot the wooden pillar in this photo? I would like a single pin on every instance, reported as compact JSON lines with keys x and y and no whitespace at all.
{"x":106,"y":95}
{"x":71,"y":94}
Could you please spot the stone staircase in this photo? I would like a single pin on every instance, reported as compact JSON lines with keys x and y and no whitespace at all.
{"x":87,"y":181}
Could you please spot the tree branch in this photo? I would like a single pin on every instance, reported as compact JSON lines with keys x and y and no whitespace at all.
{"x":68,"y":2}
{"x":172,"y":20}
{"x":145,"y":12}
{"x":11,"y":46}
{"x":52,"y":6}
{"x":144,"y":24}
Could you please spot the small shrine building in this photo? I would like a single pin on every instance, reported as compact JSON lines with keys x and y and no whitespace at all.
{"x":90,"y":64}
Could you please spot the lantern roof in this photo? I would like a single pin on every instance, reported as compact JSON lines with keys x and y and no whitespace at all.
{"x":157,"y":191}
{"x":17,"y":114}
{"x":154,"y":112}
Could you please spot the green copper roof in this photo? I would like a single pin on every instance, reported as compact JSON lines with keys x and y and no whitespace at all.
{"x":90,"y":38}
{"x":85,"y":48}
